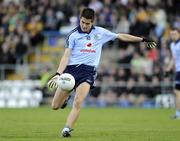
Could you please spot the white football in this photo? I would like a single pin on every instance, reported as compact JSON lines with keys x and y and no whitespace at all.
{"x":66,"y":82}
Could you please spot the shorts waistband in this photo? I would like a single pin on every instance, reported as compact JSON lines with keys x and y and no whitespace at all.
{"x":86,"y":67}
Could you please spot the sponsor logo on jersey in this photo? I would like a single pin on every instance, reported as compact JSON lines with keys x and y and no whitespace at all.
{"x":89,"y":45}
{"x":88,"y":50}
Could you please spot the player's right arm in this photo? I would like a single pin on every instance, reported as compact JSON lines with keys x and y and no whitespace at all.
{"x":69,"y":44}
{"x":62,"y":65}
{"x":64,"y":60}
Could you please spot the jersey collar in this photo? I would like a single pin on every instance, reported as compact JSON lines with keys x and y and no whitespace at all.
{"x":80,"y":31}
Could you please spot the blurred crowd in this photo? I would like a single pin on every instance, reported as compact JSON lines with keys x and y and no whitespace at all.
{"x":133,"y":74}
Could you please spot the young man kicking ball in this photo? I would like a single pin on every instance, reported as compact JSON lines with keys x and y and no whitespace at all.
{"x":81,"y":59}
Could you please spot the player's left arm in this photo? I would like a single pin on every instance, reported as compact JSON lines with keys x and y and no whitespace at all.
{"x":130,"y":38}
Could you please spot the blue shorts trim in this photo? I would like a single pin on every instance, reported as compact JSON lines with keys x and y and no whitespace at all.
{"x":82,"y":73}
{"x":177,"y":80}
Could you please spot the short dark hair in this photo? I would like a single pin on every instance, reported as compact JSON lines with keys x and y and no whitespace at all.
{"x":88,"y":13}
{"x":176,"y":28}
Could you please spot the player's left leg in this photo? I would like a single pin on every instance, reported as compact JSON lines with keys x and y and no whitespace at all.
{"x":59,"y":99}
{"x":81,"y":92}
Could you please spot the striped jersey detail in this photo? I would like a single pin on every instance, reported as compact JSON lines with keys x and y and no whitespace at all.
{"x":67,"y":38}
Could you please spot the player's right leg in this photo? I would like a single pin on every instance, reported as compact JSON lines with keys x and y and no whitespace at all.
{"x":59,"y":99}
{"x":177,"y":93}
{"x":81,"y":93}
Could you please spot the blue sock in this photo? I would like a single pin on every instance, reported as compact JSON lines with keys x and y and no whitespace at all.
{"x":178,"y":112}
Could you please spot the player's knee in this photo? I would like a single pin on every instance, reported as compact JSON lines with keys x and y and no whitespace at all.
{"x":54,"y":106}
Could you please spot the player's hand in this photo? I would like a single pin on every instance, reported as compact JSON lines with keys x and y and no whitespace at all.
{"x":150,"y":43}
{"x":52,"y":84}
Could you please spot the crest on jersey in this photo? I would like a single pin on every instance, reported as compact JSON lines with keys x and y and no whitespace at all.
{"x":97,"y":36}
{"x":88,"y":37}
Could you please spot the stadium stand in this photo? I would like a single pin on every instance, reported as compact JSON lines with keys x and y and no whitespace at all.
{"x":32,"y":36}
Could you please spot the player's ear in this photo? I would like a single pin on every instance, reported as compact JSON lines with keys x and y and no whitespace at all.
{"x":94,"y":20}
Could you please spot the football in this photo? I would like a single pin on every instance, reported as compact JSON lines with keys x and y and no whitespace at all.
{"x":66,"y":82}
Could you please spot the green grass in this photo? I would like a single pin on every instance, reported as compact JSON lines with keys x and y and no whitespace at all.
{"x":108,"y":124}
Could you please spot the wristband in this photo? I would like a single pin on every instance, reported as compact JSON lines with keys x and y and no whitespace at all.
{"x":57,"y":73}
{"x":146,"y":40}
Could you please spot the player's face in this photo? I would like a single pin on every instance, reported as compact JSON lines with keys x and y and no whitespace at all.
{"x":85,"y":24}
{"x":174,"y":35}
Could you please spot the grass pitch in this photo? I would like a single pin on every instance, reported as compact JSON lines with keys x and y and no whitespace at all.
{"x":106,"y":124}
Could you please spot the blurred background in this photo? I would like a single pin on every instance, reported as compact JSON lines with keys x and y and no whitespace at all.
{"x":32,"y":35}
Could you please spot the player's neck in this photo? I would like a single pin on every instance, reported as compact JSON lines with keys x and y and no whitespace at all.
{"x":80,"y":30}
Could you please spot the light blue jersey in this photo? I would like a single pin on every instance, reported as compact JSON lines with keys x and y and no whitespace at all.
{"x":175,"y":49}
{"x":87,"y":47}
